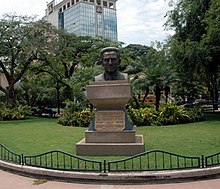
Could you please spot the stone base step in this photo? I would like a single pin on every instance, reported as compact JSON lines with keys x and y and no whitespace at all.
{"x":110,"y":149}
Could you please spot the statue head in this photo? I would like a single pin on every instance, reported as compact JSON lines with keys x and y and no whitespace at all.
{"x":110,"y":59}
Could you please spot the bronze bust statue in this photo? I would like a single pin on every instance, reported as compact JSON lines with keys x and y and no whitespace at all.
{"x":110,"y":59}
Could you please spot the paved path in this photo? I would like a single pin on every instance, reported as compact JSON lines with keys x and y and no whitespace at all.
{"x":13,"y":181}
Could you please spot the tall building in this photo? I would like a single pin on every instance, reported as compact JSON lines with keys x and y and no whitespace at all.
{"x":84,"y":17}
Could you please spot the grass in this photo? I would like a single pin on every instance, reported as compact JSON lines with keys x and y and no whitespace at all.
{"x":39,"y":135}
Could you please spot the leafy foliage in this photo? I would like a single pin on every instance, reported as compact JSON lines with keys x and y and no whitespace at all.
{"x":75,"y":115}
{"x":16,"y":113}
{"x":143,"y":116}
{"x":152,"y":72}
{"x":194,"y":47}
{"x":168,"y":114}
{"x":22,"y":40}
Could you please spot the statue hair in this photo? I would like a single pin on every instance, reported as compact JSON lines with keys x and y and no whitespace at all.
{"x":109,"y":49}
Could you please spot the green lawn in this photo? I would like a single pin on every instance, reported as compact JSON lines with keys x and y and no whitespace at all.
{"x":38,"y":135}
{"x":195,"y":139}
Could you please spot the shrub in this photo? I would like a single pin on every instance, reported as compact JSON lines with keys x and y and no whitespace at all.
{"x":76,"y":118}
{"x":142,"y":116}
{"x":168,"y":114}
{"x":173,"y":114}
{"x":196,"y":114}
{"x":16,"y":113}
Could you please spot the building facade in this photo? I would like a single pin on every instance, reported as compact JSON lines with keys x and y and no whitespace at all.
{"x":85,"y":17}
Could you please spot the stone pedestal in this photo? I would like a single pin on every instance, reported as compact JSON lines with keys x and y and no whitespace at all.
{"x":110,"y":132}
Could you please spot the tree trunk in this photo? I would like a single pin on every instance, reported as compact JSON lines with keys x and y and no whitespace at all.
{"x":157,"y":93}
{"x":214,"y":91}
{"x":167,"y":90}
{"x":145,"y":94}
{"x":10,"y":96}
{"x":67,"y":93}
{"x":215,"y":98}
{"x":58,"y":98}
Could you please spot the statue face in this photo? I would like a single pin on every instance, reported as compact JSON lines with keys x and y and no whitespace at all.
{"x":110,"y":61}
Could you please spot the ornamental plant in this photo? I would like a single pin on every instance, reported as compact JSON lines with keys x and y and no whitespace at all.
{"x":168,"y":114}
{"x":76,"y":118}
{"x":16,"y":113}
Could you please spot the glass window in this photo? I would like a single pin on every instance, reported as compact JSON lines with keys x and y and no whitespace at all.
{"x":105,"y":4}
{"x":64,"y":7}
{"x":111,"y":5}
{"x":98,"y":2}
{"x":68,"y":5}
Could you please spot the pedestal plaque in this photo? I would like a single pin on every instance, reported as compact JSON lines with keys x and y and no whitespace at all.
{"x":111,"y":120}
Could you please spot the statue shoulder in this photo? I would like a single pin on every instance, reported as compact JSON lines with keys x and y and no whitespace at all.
{"x":100,"y":77}
{"x":123,"y":76}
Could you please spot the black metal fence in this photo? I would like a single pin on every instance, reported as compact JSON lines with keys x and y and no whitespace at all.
{"x":155,"y":160}
{"x":9,"y":156}
{"x":212,"y":160}
{"x":60,"y":160}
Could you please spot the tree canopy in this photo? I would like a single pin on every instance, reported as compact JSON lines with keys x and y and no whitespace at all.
{"x":22,"y":40}
{"x":195,"y":45}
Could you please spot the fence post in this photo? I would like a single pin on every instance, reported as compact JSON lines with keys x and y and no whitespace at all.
{"x":22,"y":159}
{"x":202,"y":159}
{"x":104,"y":166}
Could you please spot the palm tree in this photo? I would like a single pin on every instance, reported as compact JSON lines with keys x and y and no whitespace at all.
{"x":154,"y":72}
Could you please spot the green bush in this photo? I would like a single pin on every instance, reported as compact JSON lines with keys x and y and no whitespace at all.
{"x":196,"y":114}
{"x":142,"y":116}
{"x":169,"y":114}
{"x":16,"y":113}
{"x":76,"y":118}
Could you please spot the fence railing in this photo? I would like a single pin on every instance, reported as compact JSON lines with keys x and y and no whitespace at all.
{"x":9,"y":156}
{"x":155,"y":160}
{"x":60,"y":160}
{"x":212,"y":160}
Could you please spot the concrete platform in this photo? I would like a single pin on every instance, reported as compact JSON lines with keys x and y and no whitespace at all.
{"x":107,"y":149}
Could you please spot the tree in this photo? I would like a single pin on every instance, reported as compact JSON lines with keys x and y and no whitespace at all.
{"x":37,"y":90}
{"x":195,"y":44}
{"x":21,"y":41}
{"x":135,"y":65}
{"x":154,"y":72}
{"x":70,"y":56}
{"x":211,"y":46}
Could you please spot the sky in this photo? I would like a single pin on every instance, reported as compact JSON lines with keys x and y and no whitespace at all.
{"x":139,"y":21}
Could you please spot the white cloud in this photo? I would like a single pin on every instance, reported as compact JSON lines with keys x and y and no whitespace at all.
{"x":23,"y":7}
{"x":139,"y":21}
